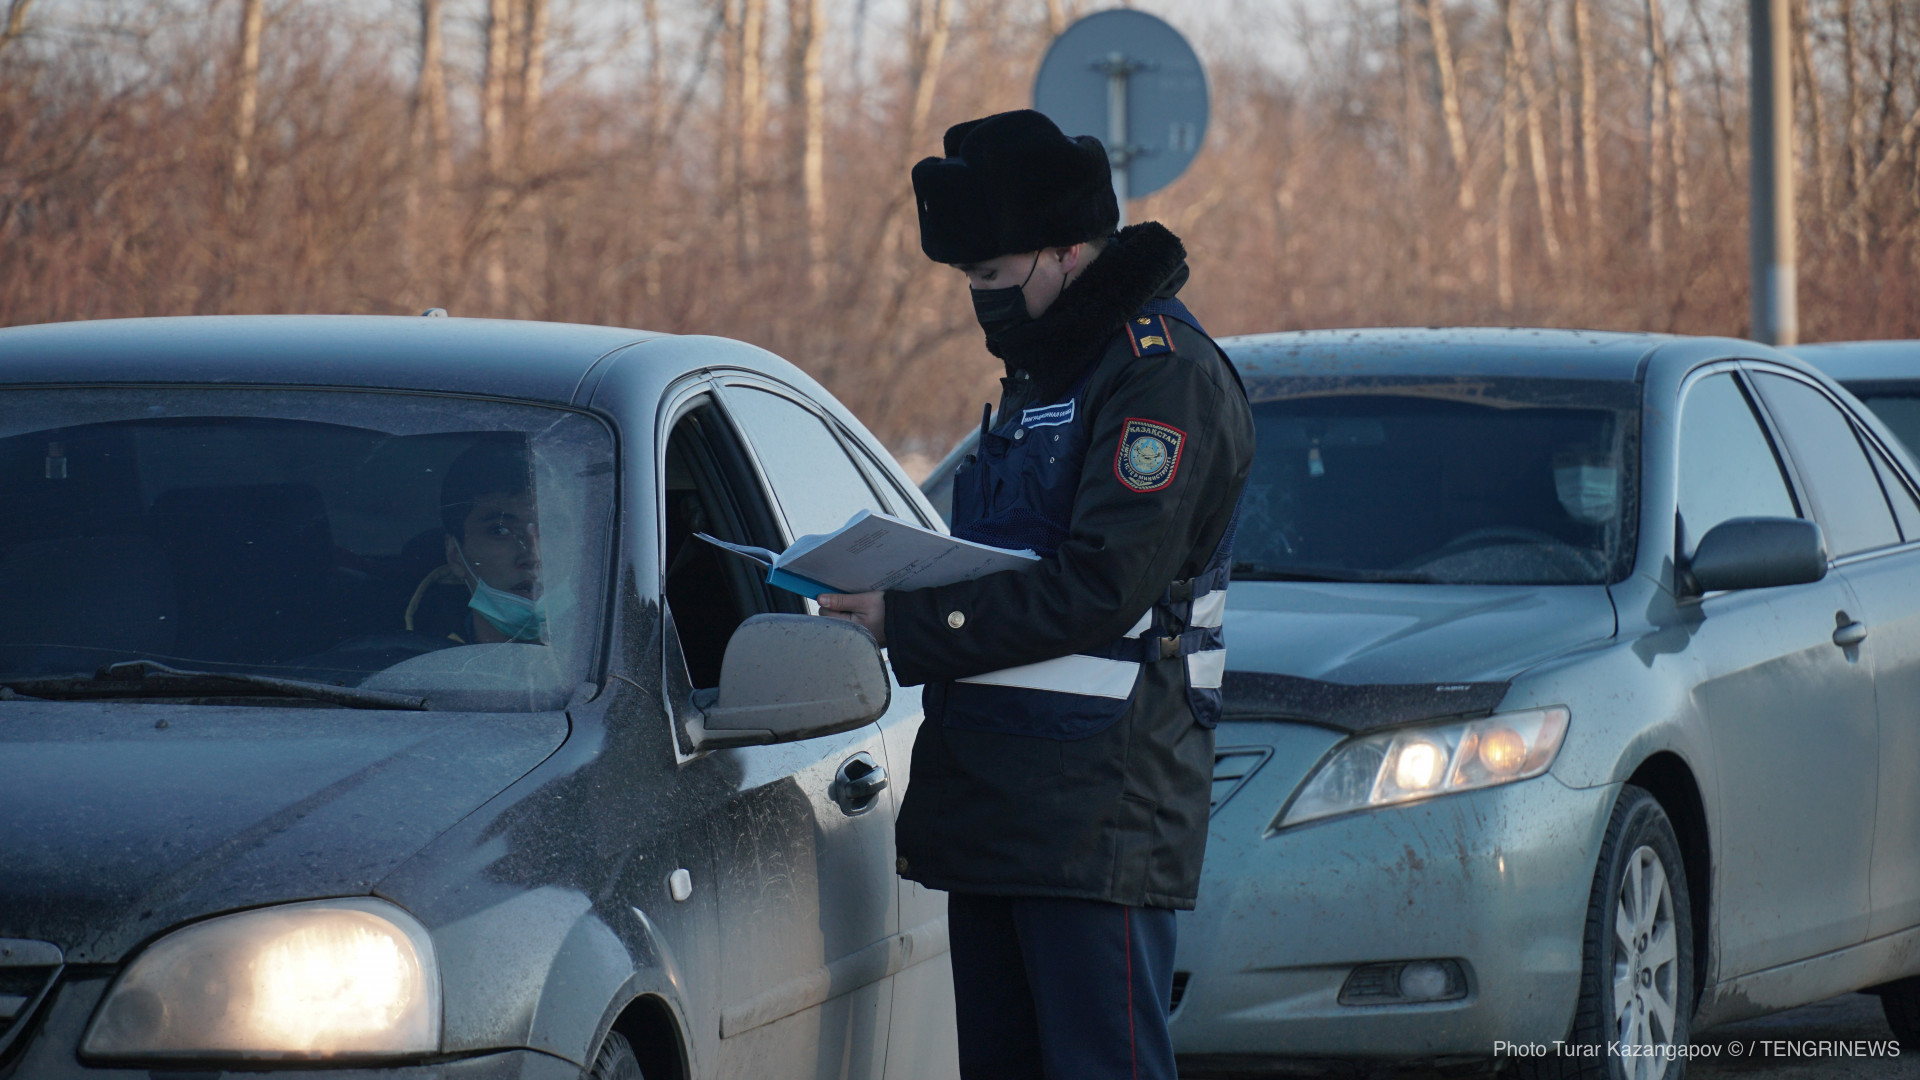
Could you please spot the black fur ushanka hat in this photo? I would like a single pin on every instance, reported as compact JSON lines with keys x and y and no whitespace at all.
{"x":1012,"y":182}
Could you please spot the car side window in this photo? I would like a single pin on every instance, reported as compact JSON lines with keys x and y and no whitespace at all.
{"x":1906,"y":509}
{"x":1727,"y":465}
{"x":817,"y":484}
{"x":1840,"y":481}
{"x":710,"y":488}
{"x":1901,"y":414}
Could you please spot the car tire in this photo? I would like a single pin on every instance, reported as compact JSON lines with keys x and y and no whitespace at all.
{"x":1638,"y":942}
{"x":1901,"y":1002}
{"x":615,"y":1061}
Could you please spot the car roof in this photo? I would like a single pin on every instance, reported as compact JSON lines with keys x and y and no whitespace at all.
{"x":1863,"y":361}
{"x":1491,"y":351}
{"x":533,"y":361}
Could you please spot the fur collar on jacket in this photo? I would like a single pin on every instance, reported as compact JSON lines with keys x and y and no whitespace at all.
{"x":1141,"y":262}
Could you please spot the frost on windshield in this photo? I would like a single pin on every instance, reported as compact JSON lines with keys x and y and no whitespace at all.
{"x":1480,"y":481}
{"x":440,"y":547}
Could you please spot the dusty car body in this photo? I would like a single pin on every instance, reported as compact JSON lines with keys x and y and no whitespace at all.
{"x":624,"y":850}
{"x":1771,"y":726}
{"x":1774,"y":726}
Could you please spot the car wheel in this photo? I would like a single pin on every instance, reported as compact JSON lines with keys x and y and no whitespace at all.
{"x":615,"y":1060}
{"x":1636,"y":982}
{"x":1901,"y":1002}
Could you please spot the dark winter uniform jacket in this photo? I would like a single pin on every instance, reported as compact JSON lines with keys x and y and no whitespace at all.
{"x":1119,"y":452}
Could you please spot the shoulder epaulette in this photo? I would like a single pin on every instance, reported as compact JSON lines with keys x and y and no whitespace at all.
{"x":1149,"y":335}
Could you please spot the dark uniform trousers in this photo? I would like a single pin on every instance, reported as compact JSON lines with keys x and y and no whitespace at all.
{"x":1061,"y":778}
{"x":1047,"y":988}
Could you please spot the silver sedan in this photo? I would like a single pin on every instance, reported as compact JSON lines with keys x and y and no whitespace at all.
{"x":1574,"y":706}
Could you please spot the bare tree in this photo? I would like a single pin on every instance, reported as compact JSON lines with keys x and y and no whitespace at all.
{"x":1656,"y":111}
{"x":1589,"y":111}
{"x":1522,"y":66}
{"x":1448,"y":84}
{"x":246,"y":102}
{"x":493,"y":131}
{"x":753,"y":121}
{"x":932,"y":24}
{"x":431,"y":140}
{"x":1563,"y":101}
{"x":806,"y":94}
{"x":1509,"y":160}
{"x":532,"y":68}
{"x":16,"y":25}
{"x":1676,"y":113}
{"x":1413,"y":145}
{"x":1722,"y":116}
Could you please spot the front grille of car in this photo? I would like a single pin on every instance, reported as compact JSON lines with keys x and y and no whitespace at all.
{"x":27,"y":971}
{"x":1233,"y":766}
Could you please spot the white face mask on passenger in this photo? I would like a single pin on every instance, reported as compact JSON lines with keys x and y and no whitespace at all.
{"x":1588,"y":493}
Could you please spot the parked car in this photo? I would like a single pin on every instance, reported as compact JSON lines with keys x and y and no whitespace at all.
{"x":367,"y":705}
{"x":1883,"y":374}
{"x":1573,"y":695}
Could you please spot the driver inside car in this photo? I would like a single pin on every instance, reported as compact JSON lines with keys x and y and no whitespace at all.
{"x":489,"y":589}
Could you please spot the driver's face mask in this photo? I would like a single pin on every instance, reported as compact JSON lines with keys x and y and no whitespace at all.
{"x":1588,"y":492}
{"x":519,"y":618}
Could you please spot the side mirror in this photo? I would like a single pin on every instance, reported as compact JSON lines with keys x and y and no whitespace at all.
{"x":1756,"y":553}
{"x":787,"y":677}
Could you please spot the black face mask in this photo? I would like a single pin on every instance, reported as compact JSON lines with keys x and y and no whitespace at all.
{"x":1001,"y":311}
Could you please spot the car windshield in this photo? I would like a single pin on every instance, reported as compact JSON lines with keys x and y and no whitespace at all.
{"x":432,"y":547}
{"x":1482,"y":481}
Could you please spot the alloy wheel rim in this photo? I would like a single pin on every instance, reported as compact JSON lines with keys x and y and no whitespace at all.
{"x":1646,"y":965}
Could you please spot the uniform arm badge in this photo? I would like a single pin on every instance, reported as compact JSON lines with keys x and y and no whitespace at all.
{"x":1149,"y":454}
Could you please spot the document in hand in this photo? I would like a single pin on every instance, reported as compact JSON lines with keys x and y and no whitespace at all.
{"x":874,"y":552}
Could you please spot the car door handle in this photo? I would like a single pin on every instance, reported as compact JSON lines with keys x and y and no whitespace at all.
{"x":1850,"y":634}
{"x":857,"y":786}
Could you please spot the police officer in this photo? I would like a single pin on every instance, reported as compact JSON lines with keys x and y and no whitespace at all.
{"x":1060,"y":783}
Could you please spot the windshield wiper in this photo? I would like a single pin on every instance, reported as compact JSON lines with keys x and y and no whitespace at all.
{"x":1247,"y":571}
{"x":150,"y":678}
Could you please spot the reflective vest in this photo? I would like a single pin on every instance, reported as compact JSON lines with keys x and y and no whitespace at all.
{"x":1017,"y":492}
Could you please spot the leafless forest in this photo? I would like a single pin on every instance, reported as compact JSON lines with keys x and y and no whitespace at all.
{"x":739,"y":167}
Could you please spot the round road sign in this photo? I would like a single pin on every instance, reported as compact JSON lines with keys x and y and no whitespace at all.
{"x":1130,"y":80}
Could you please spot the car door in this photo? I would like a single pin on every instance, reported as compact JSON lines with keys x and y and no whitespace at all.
{"x":801,"y":834}
{"x":1790,"y":714}
{"x":1852,"y":483}
{"x":822,"y":479}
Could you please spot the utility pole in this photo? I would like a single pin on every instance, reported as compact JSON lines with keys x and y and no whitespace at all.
{"x":1776,"y":316}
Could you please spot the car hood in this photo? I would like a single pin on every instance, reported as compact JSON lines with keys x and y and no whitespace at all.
{"x":1365,"y":634}
{"x":118,"y":821}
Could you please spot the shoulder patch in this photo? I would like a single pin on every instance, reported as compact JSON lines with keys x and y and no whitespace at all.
{"x":1149,"y":454}
{"x":1148,"y":335}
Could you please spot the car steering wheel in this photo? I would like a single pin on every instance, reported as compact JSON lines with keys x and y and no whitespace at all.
{"x":370,"y":653}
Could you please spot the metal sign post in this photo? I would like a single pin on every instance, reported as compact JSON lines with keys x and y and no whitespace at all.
{"x":1774,"y":282}
{"x":1130,"y":80}
{"x":1116,"y":69}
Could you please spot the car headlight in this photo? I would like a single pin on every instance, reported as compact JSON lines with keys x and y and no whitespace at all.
{"x":325,"y":979}
{"x":1418,"y":762}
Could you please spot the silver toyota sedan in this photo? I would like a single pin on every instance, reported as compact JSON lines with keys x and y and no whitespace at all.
{"x":1575,"y":705}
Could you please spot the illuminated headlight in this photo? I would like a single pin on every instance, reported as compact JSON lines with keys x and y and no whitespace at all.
{"x":331,"y":978}
{"x":1414,"y":763}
